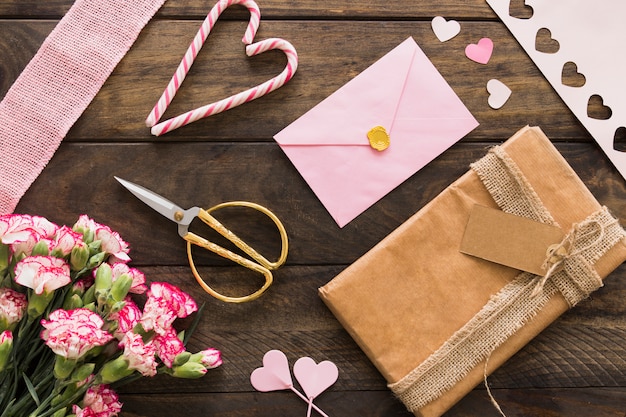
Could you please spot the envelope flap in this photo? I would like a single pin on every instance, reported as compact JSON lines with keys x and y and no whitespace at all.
{"x":368,"y":100}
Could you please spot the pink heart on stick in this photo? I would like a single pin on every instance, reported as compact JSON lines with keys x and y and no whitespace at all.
{"x":313,"y":377}
{"x":480,"y":52}
{"x":274,"y":375}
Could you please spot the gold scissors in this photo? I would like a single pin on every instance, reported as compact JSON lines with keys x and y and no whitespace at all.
{"x":184,"y":218}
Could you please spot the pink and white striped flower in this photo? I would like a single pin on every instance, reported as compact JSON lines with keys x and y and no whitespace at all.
{"x":113,"y":244}
{"x":111,"y":241}
{"x":168,"y":346}
{"x":211,"y":358}
{"x":65,"y":240}
{"x":42,"y":273}
{"x":139,"y":355}
{"x":73,"y":333}
{"x":20,"y":227}
{"x":12,"y":308}
{"x":99,"y":401}
{"x":139,"y":279}
{"x":165,"y":303}
{"x":127,"y":318}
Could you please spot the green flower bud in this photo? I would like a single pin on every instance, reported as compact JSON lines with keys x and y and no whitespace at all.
{"x":120,"y":287}
{"x":91,"y":306}
{"x":103,"y":283}
{"x":6,"y":345}
{"x":189,"y":370}
{"x":37,"y":303}
{"x":41,"y":248}
{"x":88,"y":234}
{"x":4,"y":257}
{"x":60,"y":413}
{"x":79,"y":257}
{"x":90,"y":295}
{"x":94,"y":247}
{"x":115,"y":370}
{"x":72,"y":302}
{"x":96,"y":260}
{"x":83,"y":372}
{"x":63,"y":367}
{"x":117,"y":306}
{"x":182,"y":358}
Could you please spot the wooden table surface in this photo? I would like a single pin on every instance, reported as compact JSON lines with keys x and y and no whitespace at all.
{"x":577,"y":367}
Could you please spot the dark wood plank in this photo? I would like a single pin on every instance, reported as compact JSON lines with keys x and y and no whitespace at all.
{"x":272,"y":9}
{"x":588,"y":402}
{"x":576,"y":367}
{"x":207,"y":174}
{"x":340,"y":52}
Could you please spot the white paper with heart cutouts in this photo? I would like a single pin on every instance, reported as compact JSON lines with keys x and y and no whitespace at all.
{"x":592,"y":34}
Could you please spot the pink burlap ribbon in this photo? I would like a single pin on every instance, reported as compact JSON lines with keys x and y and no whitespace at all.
{"x":58,"y":84}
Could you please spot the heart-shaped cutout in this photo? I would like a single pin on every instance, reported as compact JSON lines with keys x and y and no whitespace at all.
{"x":619,"y":140}
{"x":520,"y":10}
{"x":315,"y":378}
{"x":274,"y":375}
{"x":236,"y":99}
{"x":480,"y":52}
{"x":445,"y":29}
{"x":499,"y":93}
{"x":545,"y":43}
{"x":596,"y":109}
{"x":570,"y":75}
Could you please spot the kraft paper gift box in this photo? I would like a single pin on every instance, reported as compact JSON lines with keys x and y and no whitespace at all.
{"x":434,"y":320}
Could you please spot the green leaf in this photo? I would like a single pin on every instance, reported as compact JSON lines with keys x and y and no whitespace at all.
{"x":31,"y":389}
{"x":194,"y":324}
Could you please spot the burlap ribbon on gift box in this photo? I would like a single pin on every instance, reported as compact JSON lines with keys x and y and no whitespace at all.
{"x":434,"y":321}
{"x":512,"y":307}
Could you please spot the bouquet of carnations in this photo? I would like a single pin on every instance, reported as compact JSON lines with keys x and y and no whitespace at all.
{"x":69,"y":329}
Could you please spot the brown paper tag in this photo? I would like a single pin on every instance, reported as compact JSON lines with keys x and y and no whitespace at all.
{"x":508,"y":240}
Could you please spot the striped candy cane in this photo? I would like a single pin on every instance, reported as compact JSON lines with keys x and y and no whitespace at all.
{"x":193,"y":50}
{"x":243,"y":97}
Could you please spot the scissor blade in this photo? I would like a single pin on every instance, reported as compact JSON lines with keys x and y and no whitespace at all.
{"x":160,"y":204}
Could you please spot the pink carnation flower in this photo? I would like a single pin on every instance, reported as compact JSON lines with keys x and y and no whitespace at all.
{"x":139,"y":280}
{"x":42,"y":273}
{"x":99,"y":401}
{"x":73,"y":333}
{"x":12,"y":307}
{"x":19,"y":227}
{"x":111,"y":241}
{"x":127,"y":318}
{"x":6,"y":336}
{"x":165,"y":303}
{"x":211,"y":358}
{"x":168,"y":346}
{"x":66,"y":239}
{"x":140,"y":355}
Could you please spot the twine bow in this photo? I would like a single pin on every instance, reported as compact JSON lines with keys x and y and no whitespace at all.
{"x":570,"y":246}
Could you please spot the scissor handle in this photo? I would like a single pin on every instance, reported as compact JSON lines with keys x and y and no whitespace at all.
{"x":263,"y":266}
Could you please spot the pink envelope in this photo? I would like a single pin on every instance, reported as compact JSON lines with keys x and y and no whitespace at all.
{"x":402,"y":92}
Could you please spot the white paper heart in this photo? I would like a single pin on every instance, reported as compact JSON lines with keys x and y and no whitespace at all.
{"x":274,"y":375}
{"x":315,"y":378}
{"x":499,"y":93}
{"x":445,"y":29}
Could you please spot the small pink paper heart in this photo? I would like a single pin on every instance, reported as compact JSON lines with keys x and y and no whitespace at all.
{"x":480,"y":52}
{"x":274,"y":375}
{"x":315,"y":378}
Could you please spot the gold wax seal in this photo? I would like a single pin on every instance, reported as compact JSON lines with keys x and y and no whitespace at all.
{"x":379,"y":138}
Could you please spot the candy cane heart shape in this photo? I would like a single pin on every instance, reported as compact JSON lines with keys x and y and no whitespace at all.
{"x":244,"y":96}
{"x":194,"y":48}
{"x":235,"y":100}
